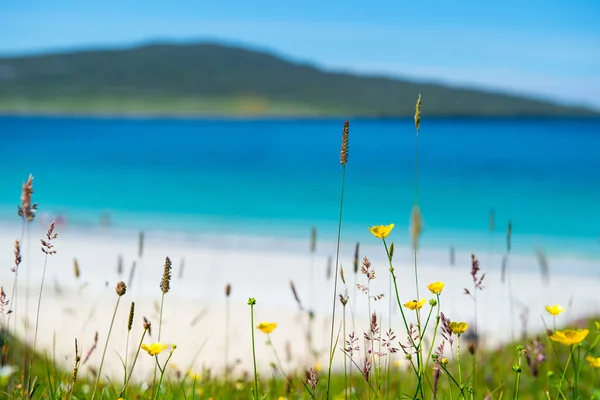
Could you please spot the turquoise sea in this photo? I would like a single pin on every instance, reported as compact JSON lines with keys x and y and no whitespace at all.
{"x":279,"y":178}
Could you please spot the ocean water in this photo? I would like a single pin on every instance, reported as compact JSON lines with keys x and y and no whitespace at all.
{"x":279,"y":178}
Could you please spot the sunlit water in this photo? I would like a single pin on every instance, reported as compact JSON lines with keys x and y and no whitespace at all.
{"x":278,"y":178}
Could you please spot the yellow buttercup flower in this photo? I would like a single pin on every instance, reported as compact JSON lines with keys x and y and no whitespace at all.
{"x":570,"y":336}
{"x":555,"y":309}
{"x":594,"y":361}
{"x":458,"y":328}
{"x":155,"y":348}
{"x":381,"y":231}
{"x":318,"y":367}
{"x":414,"y":304}
{"x":266,"y":327}
{"x":436,"y":287}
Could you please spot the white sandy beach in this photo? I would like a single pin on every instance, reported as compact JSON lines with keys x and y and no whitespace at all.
{"x":194,"y":309}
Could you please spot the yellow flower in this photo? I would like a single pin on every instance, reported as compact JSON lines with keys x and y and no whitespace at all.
{"x":597,"y":325}
{"x":436,"y":287}
{"x":398,"y":363}
{"x":414,"y":304}
{"x":381,"y":231}
{"x":594,"y":361}
{"x":570,"y":336}
{"x":266,"y":327}
{"x":555,"y":309}
{"x":154,"y":348}
{"x":458,"y":328}
{"x":194,"y":376}
{"x":318,"y":367}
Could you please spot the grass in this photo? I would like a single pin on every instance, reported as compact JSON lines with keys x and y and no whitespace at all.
{"x":441,"y":358}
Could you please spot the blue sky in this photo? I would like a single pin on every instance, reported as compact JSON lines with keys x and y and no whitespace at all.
{"x":546,"y":48}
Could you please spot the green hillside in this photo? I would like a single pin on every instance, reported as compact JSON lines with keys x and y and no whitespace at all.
{"x":213,"y":79}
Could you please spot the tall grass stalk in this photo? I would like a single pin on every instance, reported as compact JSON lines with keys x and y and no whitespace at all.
{"x":146,"y":327}
{"x":517,"y":369}
{"x":252,"y":303}
{"x":343,"y":161}
{"x":416,"y":203}
{"x":227,"y":312}
{"x":48,"y":249}
{"x":121,"y":288}
{"x":165,"y":286}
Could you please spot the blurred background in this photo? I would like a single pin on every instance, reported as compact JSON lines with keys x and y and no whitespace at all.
{"x":197,"y":118}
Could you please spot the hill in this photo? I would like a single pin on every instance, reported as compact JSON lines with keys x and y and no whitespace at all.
{"x":214,"y":79}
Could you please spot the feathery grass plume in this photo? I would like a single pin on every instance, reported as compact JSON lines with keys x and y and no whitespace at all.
{"x":48,"y":250}
{"x":76,"y":270}
{"x":343,"y":161}
{"x":120,"y":289}
{"x":356,"y":258}
{"x":535,"y":355}
{"x":181,"y":268}
{"x":18,"y":258}
{"x":91,"y":350}
{"x":26,"y":210}
{"x":544,"y":268}
{"x":3,"y":301}
{"x":416,"y":226}
{"x":141,"y":244}
{"x":120,"y":267}
{"x":165,"y":283}
{"x":508,"y":236}
{"x":132,"y":274}
{"x":131,"y":314}
{"x":296,"y":297}
{"x":344,"y":148}
{"x":418,"y":114}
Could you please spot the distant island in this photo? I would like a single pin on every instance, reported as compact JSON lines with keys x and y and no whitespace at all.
{"x":209,"y":79}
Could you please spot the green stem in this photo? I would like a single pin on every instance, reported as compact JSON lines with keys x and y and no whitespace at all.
{"x":133,"y":364}
{"x":346,"y":361}
{"x":270,"y":343}
{"x":565,"y":370}
{"x":577,"y":367}
{"x":105,"y":347}
{"x":162,"y":371}
{"x":437,"y":324}
{"x":517,"y":378}
{"x":254,"y":352}
{"x":126,"y":357}
{"x":37,"y":320}
{"x":337,"y":257}
{"x":162,"y":302}
{"x":459,"y":366}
